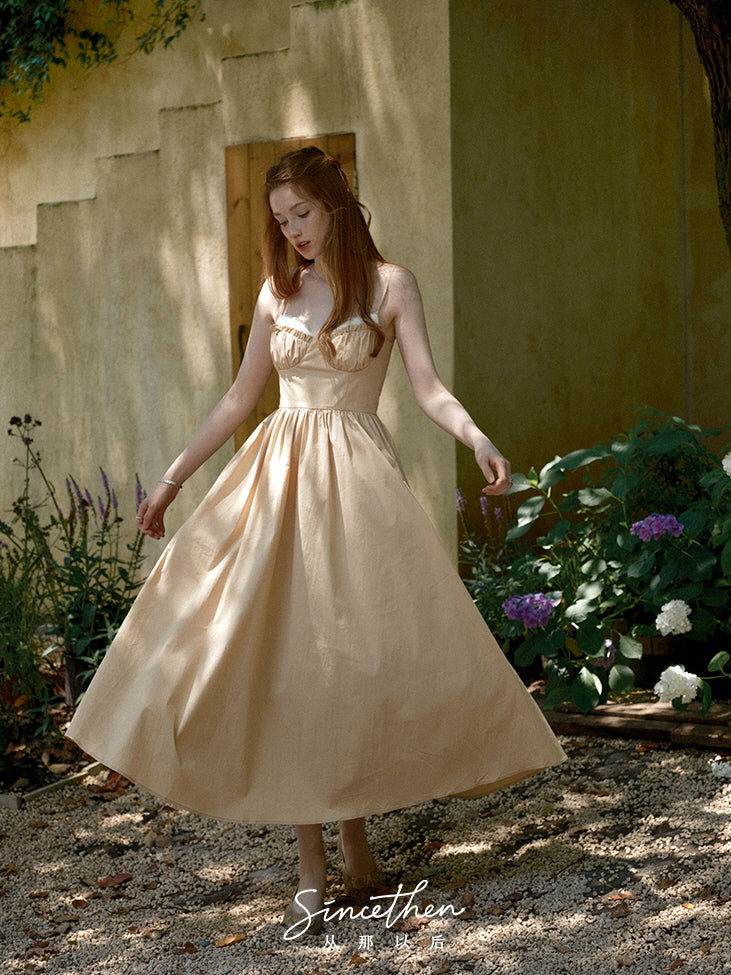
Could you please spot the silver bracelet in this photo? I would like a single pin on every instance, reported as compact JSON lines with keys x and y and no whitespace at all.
{"x":164,"y":480}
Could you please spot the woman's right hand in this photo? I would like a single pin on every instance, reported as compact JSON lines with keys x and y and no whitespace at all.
{"x":151,"y":512}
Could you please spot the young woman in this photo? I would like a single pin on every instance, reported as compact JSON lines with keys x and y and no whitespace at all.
{"x":304,"y":650}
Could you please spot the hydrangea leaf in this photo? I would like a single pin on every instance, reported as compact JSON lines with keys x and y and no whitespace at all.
{"x":621,"y":678}
{"x":630,"y":648}
{"x":642,"y":565}
{"x":586,"y":690}
{"x":718,"y":662}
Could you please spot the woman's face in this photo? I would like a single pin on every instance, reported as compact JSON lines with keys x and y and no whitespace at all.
{"x":303,"y":223}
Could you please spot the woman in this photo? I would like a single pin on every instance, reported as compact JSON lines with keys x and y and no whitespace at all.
{"x":304,"y":650}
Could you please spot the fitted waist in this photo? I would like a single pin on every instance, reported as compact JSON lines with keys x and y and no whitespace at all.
{"x":324,"y":409}
{"x":343,"y":392}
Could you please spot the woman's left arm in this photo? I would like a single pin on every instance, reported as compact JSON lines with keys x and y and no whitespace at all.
{"x":404,"y":307}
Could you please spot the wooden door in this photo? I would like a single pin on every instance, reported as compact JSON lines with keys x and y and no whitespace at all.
{"x":246,"y":167}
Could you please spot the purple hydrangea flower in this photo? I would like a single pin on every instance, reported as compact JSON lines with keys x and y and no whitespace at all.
{"x":657,"y":525}
{"x":610,"y":652}
{"x":534,"y":609}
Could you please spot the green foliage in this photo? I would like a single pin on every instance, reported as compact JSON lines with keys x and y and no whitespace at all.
{"x":573,"y":542}
{"x":66,"y":582}
{"x":36,"y":36}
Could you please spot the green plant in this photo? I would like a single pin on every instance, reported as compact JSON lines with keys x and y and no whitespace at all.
{"x":641,"y":547}
{"x":36,"y":36}
{"x":67,"y":580}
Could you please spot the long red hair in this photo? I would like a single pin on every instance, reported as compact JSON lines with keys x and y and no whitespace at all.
{"x":349,"y":253}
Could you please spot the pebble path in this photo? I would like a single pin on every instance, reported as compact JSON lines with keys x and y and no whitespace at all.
{"x":617,"y":860}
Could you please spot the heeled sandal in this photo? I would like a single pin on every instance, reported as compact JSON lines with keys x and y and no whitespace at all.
{"x":360,"y":887}
{"x":295,"y":915}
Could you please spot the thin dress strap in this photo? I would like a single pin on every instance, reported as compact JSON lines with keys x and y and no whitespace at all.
{"x":385,"y":289}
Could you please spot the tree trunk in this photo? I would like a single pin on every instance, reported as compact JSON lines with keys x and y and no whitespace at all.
{"x":710,"y":21}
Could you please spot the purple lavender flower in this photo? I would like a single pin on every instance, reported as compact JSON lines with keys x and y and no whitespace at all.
{"x":498,"y":514}
{"x":656,"y":525}
{"x":533,"y":609}
{"x":115,"y":503}
{"x":460,"y":501}
{"x":105,"y":480}
{"x":79,"y":497}
{"x":72,"y":500}
{"x":484,"y":506}
{"x":141,"y":493}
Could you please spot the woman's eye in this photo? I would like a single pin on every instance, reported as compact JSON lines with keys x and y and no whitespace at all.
{"x":303,"y":215}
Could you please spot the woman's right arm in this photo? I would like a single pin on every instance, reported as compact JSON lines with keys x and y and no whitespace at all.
{"x":227,"y":416}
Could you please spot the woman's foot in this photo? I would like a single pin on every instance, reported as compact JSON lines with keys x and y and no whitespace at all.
{"x":361,"y":874}
{"x":302,"y":915}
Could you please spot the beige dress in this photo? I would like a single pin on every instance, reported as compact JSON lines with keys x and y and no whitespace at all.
{"x":304,"y":650}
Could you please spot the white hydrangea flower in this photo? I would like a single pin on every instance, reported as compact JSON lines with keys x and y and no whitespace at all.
{"x":721,"y":770}
{"x":676,"y":682}
{"x":674,"y":618}
{"x":726,"y":463}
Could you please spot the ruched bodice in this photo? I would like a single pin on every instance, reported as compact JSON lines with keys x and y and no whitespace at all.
{"x":353,"y":381}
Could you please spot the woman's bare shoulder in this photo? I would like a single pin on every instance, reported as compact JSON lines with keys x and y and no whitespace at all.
{"x":267,"y":303}
{"x":399,"y":281}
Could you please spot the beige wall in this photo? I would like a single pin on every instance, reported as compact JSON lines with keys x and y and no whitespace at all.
{"x":122,"y":349}
{"x":591,"y":272}
{"x":545,"y":169}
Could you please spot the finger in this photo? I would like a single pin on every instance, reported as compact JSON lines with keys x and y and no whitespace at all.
{"x":501,"y":483}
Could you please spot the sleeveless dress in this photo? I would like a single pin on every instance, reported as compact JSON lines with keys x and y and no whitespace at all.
{"x":304,"y":650}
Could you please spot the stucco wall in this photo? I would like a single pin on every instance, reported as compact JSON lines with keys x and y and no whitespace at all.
{"x":591,"y":272}
{"x":121,"y":344}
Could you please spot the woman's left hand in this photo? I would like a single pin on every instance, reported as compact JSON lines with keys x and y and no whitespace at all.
{"x":495,"y":467}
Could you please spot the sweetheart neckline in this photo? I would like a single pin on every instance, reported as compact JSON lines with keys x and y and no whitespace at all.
{"x":345,"y":327}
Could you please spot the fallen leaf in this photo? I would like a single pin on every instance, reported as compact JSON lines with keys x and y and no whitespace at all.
{"x":230,"y":939}
{"x":188,"y":949}
{"x":152,"y":934}
{"x":621,"y":910}
{"x":118,"y":880}
{"x":39,"y":894}
{"x":357,"y":960}
{"x":676,"y":965}
{"x":621,"y":895}
{"x":115,"y":781}
{"x":467,"y":899}
{"x":688,"y":907}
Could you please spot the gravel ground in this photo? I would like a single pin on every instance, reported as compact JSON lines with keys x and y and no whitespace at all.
{"x":617,"y":860}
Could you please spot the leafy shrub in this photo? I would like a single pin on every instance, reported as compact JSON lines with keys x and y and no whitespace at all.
{"x":641,"y":548}
{"x":67,"y":579}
